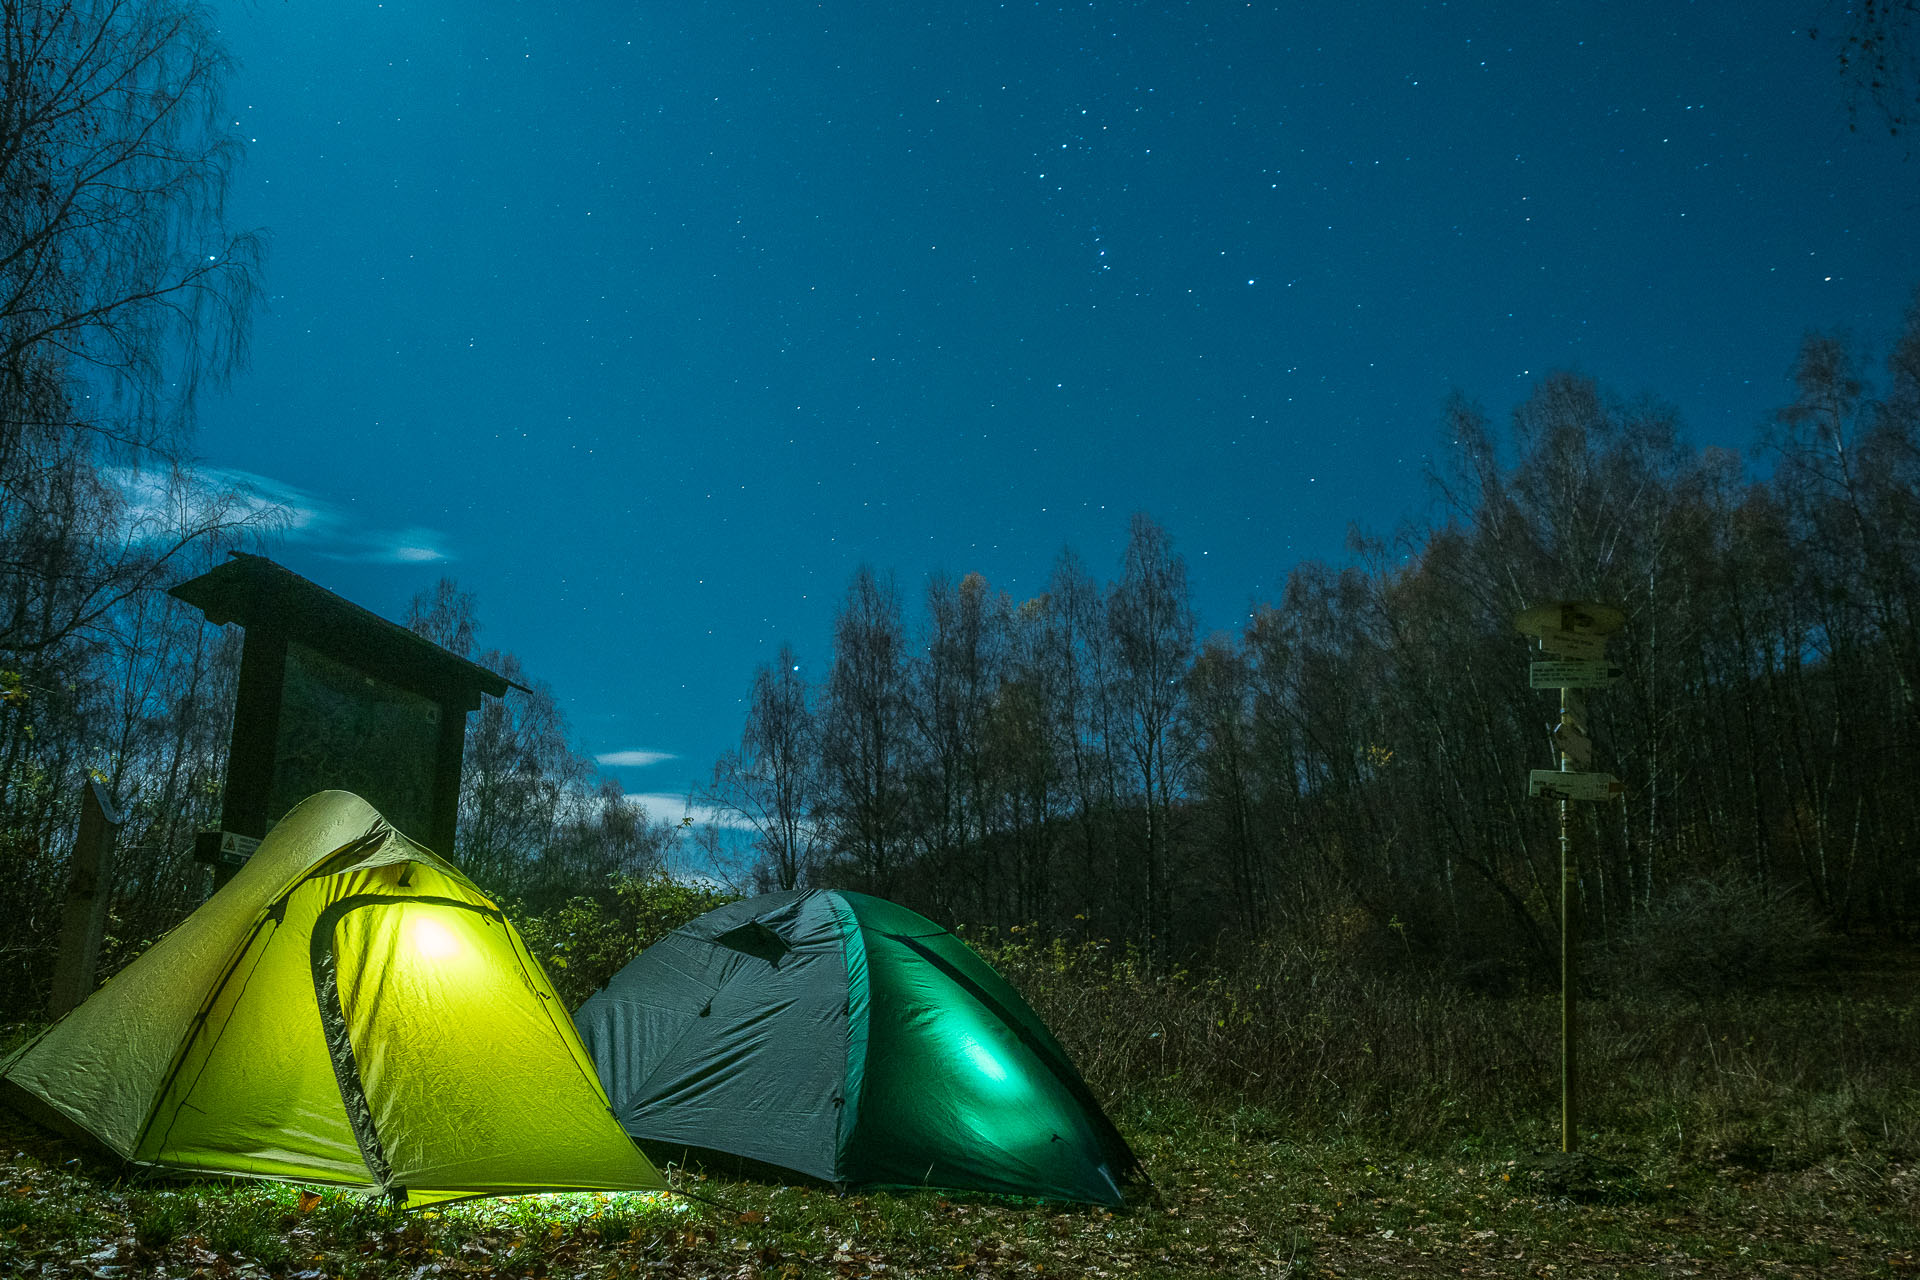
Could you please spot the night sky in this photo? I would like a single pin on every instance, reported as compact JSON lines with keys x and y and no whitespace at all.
{"x":650,"y":322}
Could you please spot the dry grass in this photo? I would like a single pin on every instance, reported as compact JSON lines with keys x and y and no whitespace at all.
{"x":1299,"y":1118}
{"x":1783,"y":1080}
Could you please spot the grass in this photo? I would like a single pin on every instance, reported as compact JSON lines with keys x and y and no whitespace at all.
{"x":1298,"y":1119}
{"x":1237,"y":1196}
{"x":1240,"y":1191}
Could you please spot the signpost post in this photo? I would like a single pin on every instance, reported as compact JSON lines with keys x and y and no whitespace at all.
{"x":1573,"y":635}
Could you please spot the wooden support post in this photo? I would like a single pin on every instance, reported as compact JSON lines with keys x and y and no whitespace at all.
{"x":89,"y":890}
{"x":1569,"y":966}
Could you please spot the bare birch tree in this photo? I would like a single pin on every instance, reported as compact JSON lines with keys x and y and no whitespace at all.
{"x":771,"y":782}
{"x":1150,"y":616}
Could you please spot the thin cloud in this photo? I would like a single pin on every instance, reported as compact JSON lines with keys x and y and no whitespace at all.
{"x":158,"y":503}
{"x":326,"y":529}
{"x":668,"y":807}
{"x":292,"y":509}
{"x":401,"y":546}
{"x":632,"y":759}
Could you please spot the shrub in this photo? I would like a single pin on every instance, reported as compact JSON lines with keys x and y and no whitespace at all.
{"x":1712,"y":937}
{"x":584,"y":942}
{"x":1293,"y":1030}
{"x":1296,"y":1041}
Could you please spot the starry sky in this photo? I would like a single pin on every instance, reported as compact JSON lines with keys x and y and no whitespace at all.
{"x":650,"y":322}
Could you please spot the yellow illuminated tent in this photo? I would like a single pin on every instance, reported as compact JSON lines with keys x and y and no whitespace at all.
{"x":348,"y":1009}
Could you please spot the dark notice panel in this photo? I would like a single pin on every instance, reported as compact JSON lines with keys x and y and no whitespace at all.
{"x":334,"y":696}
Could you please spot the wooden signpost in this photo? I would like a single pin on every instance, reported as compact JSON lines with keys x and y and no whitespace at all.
{"x":89,"y":887}
{"x":1566,"y":784}
{"x":333,"y":696}
{"x":1573,"y":636}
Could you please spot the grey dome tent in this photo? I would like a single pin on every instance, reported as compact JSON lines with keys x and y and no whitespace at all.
{"x":847,"y":1039}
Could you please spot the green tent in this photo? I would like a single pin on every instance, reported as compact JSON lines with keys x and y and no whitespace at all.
{"x":348,"y":1009}
{"x":850,"y":1040}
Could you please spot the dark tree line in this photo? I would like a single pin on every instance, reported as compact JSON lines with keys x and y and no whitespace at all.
{"x":1353,"y":764}
{"x":1877,"y":51}
{"x":121,"y":291}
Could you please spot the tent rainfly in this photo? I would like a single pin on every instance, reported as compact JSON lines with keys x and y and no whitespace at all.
{"x":349,"y":1009}
{"x":850,"y":1040}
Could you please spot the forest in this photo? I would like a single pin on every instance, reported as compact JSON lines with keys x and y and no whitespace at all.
{"x":1347,"y":770}
{"x":1350,"y":766}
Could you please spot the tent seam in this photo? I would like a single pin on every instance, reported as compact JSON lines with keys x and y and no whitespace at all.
{"x":194,"y":1029}
{"x":851,"y":936}
{"x":267,"y":914}
{"x":546,"y":1005}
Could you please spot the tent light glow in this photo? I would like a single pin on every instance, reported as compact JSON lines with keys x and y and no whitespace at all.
{"x":432,"y":939}
{"x":983,"y":1061}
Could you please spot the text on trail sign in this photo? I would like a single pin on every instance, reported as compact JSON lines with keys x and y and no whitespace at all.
{"x":1572,"y":644}
{"x":1560,"y":784}
{"x":1571,"y":673}
{"x":224,"y":848}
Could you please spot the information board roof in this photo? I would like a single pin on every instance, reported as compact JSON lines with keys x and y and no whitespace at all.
{"x":258,"y":593}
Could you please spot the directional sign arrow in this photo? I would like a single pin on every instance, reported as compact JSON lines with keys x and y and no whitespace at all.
{"x":1558,"y":784}
{"x":1570,"y":615}
{"x":1571,"y":673}
{"x":1576,"y":746}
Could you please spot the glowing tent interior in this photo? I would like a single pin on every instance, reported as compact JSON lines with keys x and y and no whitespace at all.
{"x":348,"y":1009}
{"x":850,"y":1040}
